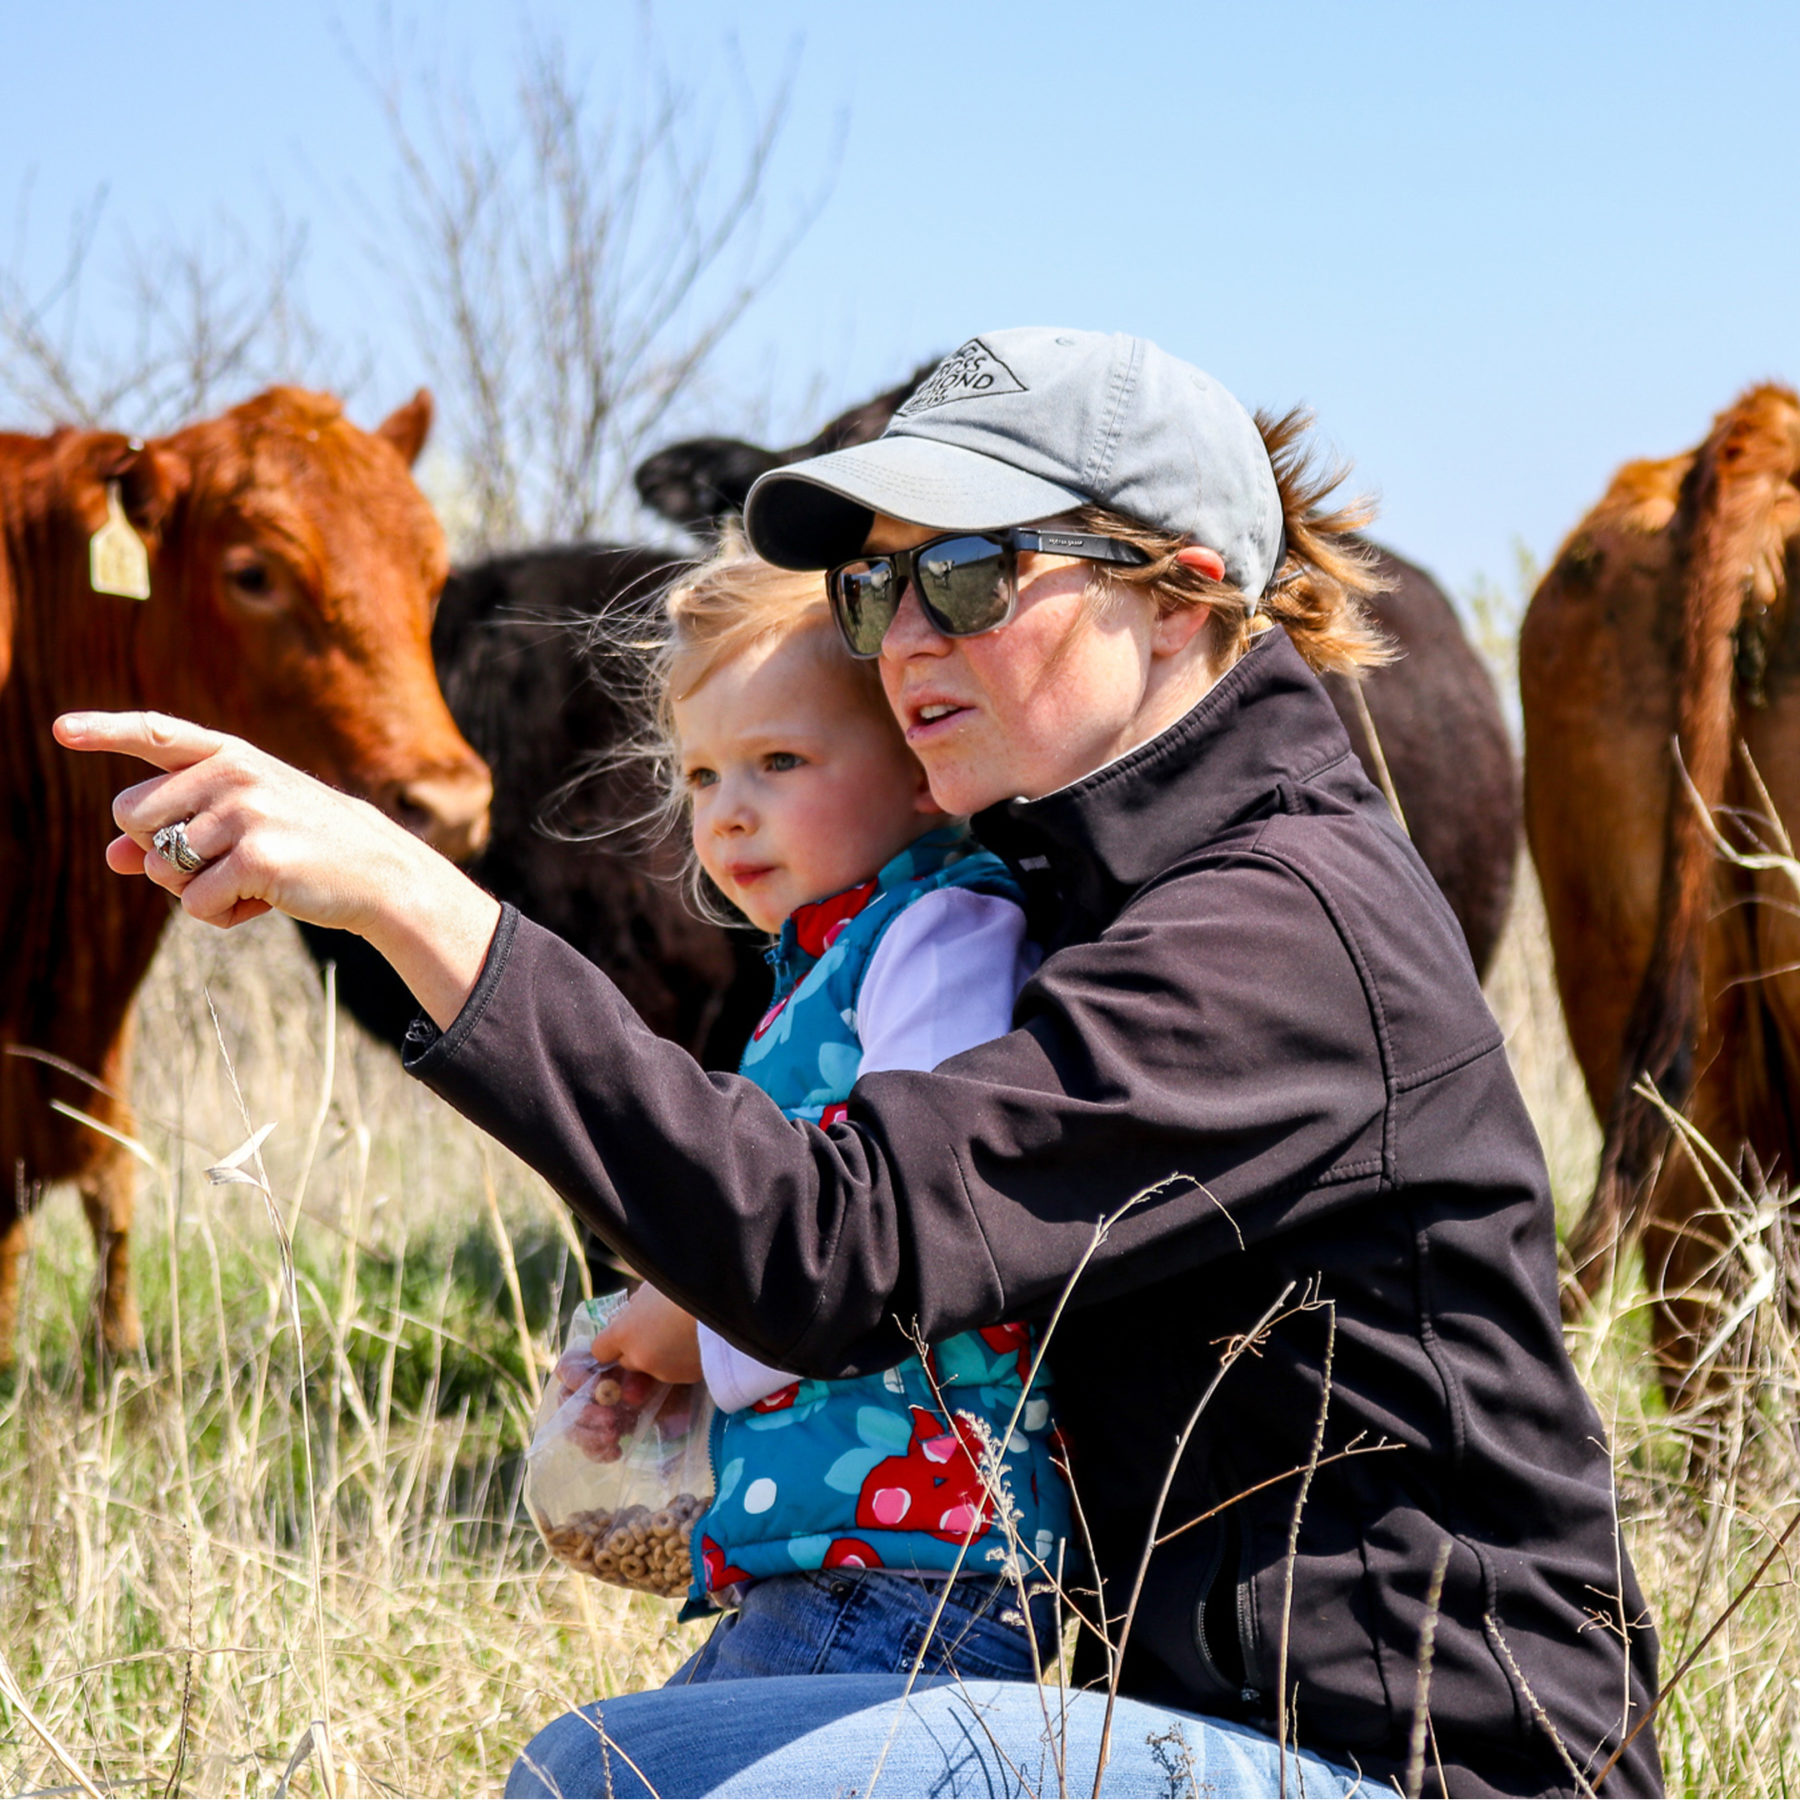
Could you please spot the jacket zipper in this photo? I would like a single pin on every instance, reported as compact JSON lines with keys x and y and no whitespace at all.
{"x":1248,"y":1694}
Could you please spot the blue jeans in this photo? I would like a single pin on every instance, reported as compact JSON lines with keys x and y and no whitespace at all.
{"x":851,"y":1734}
{"x":871,"y":1622}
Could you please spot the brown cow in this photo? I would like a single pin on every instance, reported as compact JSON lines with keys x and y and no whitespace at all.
{"x":293,"y":570}
{"x":1667,"y":622}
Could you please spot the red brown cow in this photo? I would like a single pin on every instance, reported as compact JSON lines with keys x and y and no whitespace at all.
{"x":1662,"y":648}
{"x":293,"y":569}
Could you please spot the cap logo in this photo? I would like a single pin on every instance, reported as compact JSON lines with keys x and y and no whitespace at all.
{"x":970,"y":373}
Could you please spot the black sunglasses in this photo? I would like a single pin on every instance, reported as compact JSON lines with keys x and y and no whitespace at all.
{"x":967,"y":580}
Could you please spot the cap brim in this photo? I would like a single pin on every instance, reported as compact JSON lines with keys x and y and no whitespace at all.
{"x":814,"y":514}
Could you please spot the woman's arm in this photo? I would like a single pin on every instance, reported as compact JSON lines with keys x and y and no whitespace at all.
{"x":1218,"y":1039}
{"x":275,"y":838}
{"x":1217,"y":1044}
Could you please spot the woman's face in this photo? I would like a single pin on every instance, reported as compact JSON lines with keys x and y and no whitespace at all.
{"x":1047,"y":698}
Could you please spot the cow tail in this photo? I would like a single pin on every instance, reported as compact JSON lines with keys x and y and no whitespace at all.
{"x":1724,"y":523}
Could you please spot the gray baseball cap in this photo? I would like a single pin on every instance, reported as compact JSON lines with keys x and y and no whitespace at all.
{"x":1025,"y":424}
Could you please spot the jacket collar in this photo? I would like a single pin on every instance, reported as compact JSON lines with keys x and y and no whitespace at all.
{"x":1081,"y":852}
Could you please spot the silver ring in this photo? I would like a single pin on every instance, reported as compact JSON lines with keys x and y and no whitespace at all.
{"x":172,"y":841}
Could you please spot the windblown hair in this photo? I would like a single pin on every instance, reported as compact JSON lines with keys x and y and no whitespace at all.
{"x":1320,"y":592}
{"x":730,"y":603}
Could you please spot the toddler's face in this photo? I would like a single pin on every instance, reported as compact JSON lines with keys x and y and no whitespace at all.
{"x":800,"y":782}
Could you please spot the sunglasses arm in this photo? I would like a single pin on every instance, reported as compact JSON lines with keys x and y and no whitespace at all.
{"x":1078,"y":543}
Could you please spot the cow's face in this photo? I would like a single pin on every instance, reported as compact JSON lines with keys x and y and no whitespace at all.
{"x":295,"y":570}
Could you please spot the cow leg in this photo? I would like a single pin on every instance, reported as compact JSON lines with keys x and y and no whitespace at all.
{"x":109,"y":1197}
{"x":14,"y":1241}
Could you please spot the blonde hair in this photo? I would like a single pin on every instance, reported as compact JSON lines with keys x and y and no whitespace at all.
{"x":1320,"y":591}
{"x":729,"y":604}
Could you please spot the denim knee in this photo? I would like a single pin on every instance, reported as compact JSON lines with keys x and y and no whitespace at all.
{"x":573,"y":1756}
{"x":829,"y":1734}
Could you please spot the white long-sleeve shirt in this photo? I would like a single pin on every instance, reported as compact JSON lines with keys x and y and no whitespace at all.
{"x":943,"y":979}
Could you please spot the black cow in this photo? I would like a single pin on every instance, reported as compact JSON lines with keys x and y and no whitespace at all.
{"x":509,"y":645}
{"x":1435,"y":710}
{"x":1449,"y":756}
{"x":698,"y":483}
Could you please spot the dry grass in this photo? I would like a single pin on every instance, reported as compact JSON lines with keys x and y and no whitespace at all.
{"x":192,"y":1576}
{"x":1702,"y":1498}
{"x":184,"y":1590}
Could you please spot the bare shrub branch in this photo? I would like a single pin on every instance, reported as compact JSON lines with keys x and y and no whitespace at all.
{"x":192,"y":323}
{"x":569,"y":268}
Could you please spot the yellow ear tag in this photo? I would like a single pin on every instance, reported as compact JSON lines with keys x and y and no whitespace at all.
{"x":118,"y":563}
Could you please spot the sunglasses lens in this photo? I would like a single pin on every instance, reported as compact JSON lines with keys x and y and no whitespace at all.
{"x":966,"y":584}
{"x":864,"y":596}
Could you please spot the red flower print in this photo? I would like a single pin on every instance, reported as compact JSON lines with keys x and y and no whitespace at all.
{"x":770,"y":1017}
{"x":817,"y":924}
{"x":1016,"y":1338}
{"x":719,"y":1573}
{"x":935,"y":1487}
{"x":850,"y":1553}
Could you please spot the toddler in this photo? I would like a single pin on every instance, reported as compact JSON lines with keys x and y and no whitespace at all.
{"x":843,"y":1507}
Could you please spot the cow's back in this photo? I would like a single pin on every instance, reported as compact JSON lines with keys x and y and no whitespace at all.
{"x":1660,"y":685}
{"x":1599,"y":655}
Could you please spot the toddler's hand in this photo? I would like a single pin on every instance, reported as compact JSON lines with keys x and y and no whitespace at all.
{"x":652,"y":1334}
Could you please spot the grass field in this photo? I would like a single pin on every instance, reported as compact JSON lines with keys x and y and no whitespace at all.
{"x":303,"y":1505}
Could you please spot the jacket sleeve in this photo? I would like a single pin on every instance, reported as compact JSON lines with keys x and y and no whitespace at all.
{"x":1213,"y":1055}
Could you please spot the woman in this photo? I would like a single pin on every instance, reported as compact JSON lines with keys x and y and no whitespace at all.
{"x":1350,"y":1511}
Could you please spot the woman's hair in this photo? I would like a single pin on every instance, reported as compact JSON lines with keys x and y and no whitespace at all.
{"x":1320,"y":591}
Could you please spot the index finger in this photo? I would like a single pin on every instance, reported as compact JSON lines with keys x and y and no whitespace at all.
{"x":151,"y":736}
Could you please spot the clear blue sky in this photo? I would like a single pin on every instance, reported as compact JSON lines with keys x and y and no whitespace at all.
{"x":1499,"y":249}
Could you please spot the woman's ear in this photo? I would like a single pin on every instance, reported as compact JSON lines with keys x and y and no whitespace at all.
{"x":1177,"y":628}
{"x":1202,"y":561}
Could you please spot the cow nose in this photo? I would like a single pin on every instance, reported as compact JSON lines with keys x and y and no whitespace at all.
{"x":449,"y":811}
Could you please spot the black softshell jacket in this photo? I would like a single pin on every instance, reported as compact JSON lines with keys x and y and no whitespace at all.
{"x":1258,"y":1025}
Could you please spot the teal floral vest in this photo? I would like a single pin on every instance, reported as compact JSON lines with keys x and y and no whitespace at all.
{"x":880,"y":1471}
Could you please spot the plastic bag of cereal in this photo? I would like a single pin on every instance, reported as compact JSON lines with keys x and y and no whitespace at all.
{"x":618,"y":1469}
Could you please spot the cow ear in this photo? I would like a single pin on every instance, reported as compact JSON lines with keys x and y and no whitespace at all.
{"x":151,"y":478}
{"x":408,"y":426}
